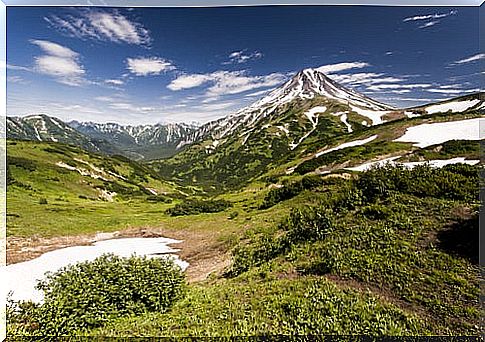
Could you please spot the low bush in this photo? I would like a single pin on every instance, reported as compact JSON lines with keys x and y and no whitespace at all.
{"x":194,"y":207}
{"x":291,"y":190}
{"x":88,"y":294}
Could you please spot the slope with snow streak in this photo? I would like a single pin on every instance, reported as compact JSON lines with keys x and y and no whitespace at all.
{"x":455,"y":106}
{"x":436,"y":133}
{"x":438,"y":163}
{"x":348,"y":144}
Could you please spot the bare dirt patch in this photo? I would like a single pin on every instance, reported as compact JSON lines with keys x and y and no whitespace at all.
{"x":204,"y":253}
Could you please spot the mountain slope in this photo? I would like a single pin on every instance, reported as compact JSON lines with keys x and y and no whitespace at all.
{"x":46,"y":128}
{"x":301,"y":117}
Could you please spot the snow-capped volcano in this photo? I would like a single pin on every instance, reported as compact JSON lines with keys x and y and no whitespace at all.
{"x":309,"y":83}
{"x":305,"y":85}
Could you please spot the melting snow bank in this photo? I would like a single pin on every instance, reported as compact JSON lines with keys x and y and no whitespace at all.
{"x":436,"y":133}
{"x":432,"y":163}
{"x":374,"y":115}
{"x":22,"y":277}
{"x":455,"y":106}
{"x":349,"y":144}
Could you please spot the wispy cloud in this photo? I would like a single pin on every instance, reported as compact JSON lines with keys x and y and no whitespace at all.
{"x":101,"y":25}
{"x":430,"y":19}
{"x":398,"y":86}
{"x":59,"y":62}
{"x":144,"y":66}
{"x":114,"y":82}
{"x":332,"y":68}
{"x":365,"y":79}
{"x":17,"y":79}
{"x":470,"y":59}
{"x":239,"y":57}
{"x":226,"y":82}
{"x":430,"y":16}
{"x":452,"y":91}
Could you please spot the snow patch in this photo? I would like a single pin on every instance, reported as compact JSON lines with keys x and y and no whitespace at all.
{"x":436,"y":133}
{"x":374,"y":115}
{"x":348,"y":144}
{"x":366,"y":166}
{"x":22,"y":277}
{"x":456,"y":106}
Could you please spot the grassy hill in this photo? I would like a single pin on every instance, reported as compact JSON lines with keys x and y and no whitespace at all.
{"x":56,"y":189}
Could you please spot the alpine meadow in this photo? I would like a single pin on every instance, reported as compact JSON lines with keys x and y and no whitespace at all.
{"x":266,"y":171}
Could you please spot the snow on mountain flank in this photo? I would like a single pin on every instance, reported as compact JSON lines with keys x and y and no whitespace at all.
{"x":343,"y":118}
{"x":436,"y":133}
{"x":349,"y":144}
{"x":311,"y":114}
{"x":432,"y":163}
{"x":456,"y":106}
{"x":374,"y":115}
{"x":366,"y":166}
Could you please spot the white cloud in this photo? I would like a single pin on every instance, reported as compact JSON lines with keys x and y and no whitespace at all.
{"x":331,"y":68}
{"x":144,"y":66}
{"x":258,"y":93}
{"x":16,"y":79}
{"x":236,"y":82}
{"x":189,"y":81}
{"x":101,"y":25}
{"x":432,"y":19}
{"x":226,"y":82}
{"x":378,"y":87}
{"x":114,"y":82}
{"x":59,"y":62}
{"x":470,"y":59}
{"x":365,"y":79}
{"x":453,"y":91}
{"x":430,"y":16}
{"x":239,"y":57}
{"x":429,"y":24}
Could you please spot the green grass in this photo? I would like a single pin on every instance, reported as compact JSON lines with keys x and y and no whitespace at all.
{"x":309,"y":305}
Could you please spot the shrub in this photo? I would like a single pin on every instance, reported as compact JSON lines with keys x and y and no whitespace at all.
{"x":291,"y":190}
{"x":88,"y":294}
{"x":43,"y":201}
{"x":309,"y":224}
{"x":194,"y":207}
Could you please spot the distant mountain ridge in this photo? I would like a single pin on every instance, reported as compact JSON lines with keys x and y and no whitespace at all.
{"x":308,"y":107}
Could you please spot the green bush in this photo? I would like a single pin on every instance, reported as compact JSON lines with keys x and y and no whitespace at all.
{"x":88,"y":294}
{"x":454,"y":182}
{"x":42,"y":200}
{"x":291,"y":190}
{"x":194,"y":207}
{"x":309,"y":224}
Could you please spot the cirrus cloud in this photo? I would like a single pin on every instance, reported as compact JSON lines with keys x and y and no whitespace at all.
{"x":101,"y":25}
{"x":226,"y":82}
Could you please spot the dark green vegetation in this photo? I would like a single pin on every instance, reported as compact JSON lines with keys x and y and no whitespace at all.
{"x":194,"y":207}
{"x":89,"y":294}
{"x":391,"y":230}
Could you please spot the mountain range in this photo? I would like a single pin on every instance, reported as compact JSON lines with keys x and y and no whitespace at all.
{"x":294,"y":120}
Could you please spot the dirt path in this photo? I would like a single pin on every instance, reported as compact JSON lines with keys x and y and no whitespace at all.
{"x":202,"y":251}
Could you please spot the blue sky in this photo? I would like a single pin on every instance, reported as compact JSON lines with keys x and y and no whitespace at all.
{"x":148,"y":65}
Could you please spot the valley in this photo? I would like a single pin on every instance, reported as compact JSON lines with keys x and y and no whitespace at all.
{"x":284,"y":224}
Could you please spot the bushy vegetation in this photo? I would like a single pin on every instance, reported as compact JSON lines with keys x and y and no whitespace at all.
{"x":194,"y":207}
{"x":290,"y":190}
{"x":89,"y":294}
{"x":381,"y":229}
{"x":454,"y":182}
